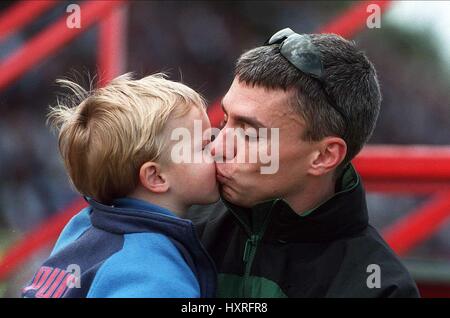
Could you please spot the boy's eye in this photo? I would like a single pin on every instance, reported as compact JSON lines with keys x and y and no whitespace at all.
{"x":223,"y":122}
{"x":205,"y":143}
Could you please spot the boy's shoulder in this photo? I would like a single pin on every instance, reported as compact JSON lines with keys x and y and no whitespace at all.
{"x":114,"y":264}
{"x":77,"y":225}
{"x":148,"y":265}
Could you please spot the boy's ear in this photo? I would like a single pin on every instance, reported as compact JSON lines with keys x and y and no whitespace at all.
{"x":330,"y":153}
{"x":151,"y":178}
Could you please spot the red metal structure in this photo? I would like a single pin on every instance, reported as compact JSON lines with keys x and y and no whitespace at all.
{"x":394,"y":169}
{"x":111,"y":17}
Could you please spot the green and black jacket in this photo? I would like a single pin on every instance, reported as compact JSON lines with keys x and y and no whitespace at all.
{"x":270,"y":251}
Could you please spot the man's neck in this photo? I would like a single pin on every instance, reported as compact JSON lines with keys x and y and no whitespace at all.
{"x":318,"y":191}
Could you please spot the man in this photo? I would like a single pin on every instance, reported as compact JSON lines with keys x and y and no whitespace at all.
{"x":302,"y":231}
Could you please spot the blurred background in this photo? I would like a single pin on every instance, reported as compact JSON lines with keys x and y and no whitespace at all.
{"x":405,"y":167}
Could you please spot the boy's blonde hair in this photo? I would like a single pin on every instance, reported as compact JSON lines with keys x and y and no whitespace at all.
{"x":108,"y":133}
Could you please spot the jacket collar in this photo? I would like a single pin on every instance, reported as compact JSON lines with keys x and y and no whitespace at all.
{"x":132,"y":203}
{"x":128,"y":215}
{"x":344,"y":214}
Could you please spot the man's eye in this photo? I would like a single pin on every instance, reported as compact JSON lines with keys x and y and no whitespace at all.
{"x":251,"y":138}
{"x":251,"y":134}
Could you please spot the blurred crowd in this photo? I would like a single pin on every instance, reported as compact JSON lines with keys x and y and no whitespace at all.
{"x":198,"y":43}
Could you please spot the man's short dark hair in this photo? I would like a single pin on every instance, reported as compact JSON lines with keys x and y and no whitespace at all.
{"x":350,"y":78}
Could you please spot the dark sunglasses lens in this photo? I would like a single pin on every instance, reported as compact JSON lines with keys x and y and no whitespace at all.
{"x":300,"y":51}
{"x":279,"y":36}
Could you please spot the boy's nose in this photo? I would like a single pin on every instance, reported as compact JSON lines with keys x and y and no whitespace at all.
{"x":222,"y":151}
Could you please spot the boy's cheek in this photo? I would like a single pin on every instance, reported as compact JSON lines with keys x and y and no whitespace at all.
{"x":207,"y":171}
{"x":212,"y":189}
{"x":202,"y":184}
{"x":209,"y":182}
{"x":200,"y":174}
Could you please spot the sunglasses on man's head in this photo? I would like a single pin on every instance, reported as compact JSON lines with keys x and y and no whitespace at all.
{"x":299,"y":50}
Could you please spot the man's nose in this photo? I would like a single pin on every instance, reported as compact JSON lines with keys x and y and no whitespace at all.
{"x":223,"y":148}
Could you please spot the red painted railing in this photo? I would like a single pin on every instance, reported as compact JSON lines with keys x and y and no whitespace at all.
{"x":21,"y":14}
{"x":111,"y":16}
{"x":53,"y":38}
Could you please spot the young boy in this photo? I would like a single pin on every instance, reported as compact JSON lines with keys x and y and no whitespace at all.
{"x":131,"y":240}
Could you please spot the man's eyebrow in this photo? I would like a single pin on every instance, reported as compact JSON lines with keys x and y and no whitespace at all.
{"x":252,"y":121}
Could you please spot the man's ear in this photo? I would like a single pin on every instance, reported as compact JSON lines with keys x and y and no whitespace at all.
{"x":151,"y":178}
{"x":331,"y":151}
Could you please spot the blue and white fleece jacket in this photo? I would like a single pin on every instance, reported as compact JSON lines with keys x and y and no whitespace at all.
{"x":130,"y":249}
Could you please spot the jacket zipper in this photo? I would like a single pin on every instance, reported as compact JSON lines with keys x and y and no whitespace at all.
{"x":249,"y":254}
{"x":250,"y":248}
{"x":211,"y":285}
